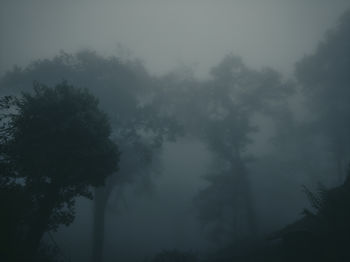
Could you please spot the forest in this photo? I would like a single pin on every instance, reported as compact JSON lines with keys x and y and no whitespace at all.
{"x":103,"y":160}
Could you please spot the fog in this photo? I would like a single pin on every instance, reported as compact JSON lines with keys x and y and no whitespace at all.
{"x":181,"y":130}
{"x":168,"y":34}
{"x":142,"y":224}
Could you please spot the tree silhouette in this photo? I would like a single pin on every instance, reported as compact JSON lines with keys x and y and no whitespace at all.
{"x":57,"y":142}
{"x":323,"y":233}
{"x":325,"y":80}
{"x":126,"y":93}
{"x":232,"y":97}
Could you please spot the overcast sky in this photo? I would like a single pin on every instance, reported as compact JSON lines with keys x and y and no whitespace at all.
{"x":167,"y":33}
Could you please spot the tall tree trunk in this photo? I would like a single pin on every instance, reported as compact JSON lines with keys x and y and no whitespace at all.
{"x":250,"y":208}
{"x":99,"y":224}
{"x":340,"y":167}
{"x":339,"y":155}
{"x":101,"y":199}
{"x":249,"y":212}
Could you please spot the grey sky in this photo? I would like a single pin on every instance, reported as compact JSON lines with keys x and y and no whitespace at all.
{"x":168,"y":33}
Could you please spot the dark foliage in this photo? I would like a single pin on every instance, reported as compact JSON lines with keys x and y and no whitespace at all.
{"x":130,"y":97}
{"x":55,"y":145}
{"x":324,"y":76}
{"x":324,"y":233}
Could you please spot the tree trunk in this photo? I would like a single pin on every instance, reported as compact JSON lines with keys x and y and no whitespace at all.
{"x":340,"y":168}
{"x":250,"y":209}
{"x":101,"y":198}
{"x":40,"y":224}
{"x":339,"y":155}
{"x":249,"y":212}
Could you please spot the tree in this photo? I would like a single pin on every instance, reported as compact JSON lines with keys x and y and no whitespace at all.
{"x":58,"y":143}
{"x":323,"y":233}
{"x":125,"y":91}
{"x":324,"y":77}
{"x":233,"y":96}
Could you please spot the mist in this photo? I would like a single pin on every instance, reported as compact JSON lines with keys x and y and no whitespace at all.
{"x":168,"y":34}
{"x":174,"y":130}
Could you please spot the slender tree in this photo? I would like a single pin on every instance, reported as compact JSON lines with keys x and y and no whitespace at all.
{"x":233,"y":95}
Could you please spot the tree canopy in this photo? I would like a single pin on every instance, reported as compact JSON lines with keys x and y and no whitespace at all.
{"x":324,"y":76}
{"x":55,"y":145}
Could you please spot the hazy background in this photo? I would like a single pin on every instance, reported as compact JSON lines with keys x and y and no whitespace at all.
{"x":165,"y":33}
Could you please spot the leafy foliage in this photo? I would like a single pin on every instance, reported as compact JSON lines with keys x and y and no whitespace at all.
{"x":56,"y":145}
{"x":127,"y":93}
{"x":322,"y":234}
